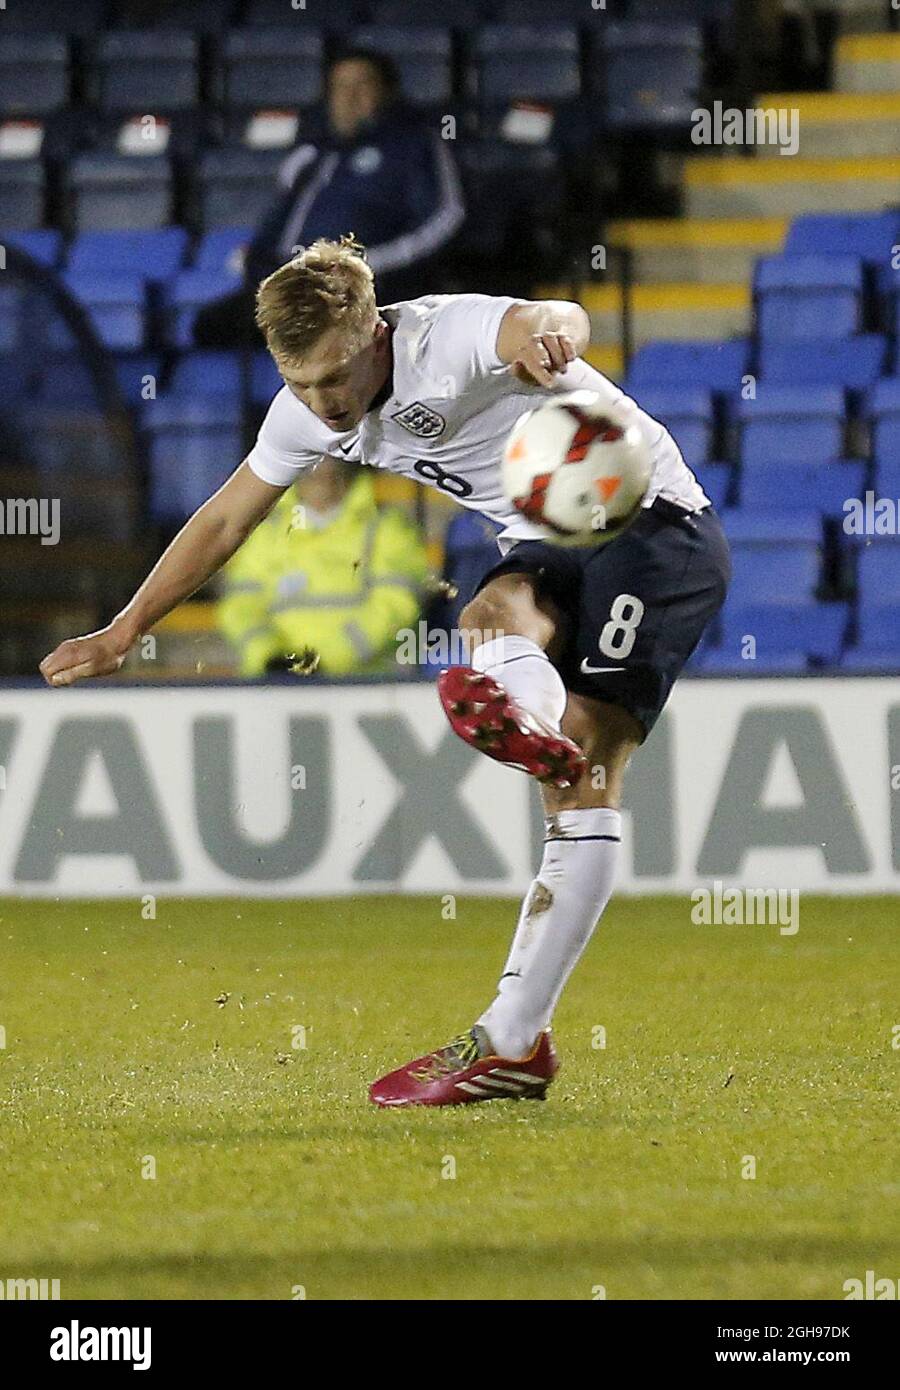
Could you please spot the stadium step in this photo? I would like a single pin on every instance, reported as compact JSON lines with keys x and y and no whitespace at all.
{"x":669,"y":311}
{"x":838,"y":125}
{"x":867,"y":63}
{"x":719,"y":251}
{"x":735,"y":186}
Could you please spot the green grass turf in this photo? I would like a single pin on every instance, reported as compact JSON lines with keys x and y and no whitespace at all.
{"x":272,"y":1170}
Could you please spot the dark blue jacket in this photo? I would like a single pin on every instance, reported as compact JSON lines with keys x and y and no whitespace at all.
{"x":394,"y":186}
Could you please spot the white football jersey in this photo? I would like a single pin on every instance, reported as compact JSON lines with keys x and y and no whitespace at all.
{"x":449,"y":414}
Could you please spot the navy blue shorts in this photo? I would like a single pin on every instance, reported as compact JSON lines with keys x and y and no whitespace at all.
{"x":636,"y":607}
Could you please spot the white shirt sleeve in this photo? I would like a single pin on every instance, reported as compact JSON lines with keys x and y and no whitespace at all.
{"x":462,"y":341}
{"x":286,"y":445}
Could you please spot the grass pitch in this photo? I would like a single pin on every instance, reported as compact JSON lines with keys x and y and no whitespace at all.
{"x":132,"y":1044}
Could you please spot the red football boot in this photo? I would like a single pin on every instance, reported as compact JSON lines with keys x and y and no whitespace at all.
{"x":467,"y":1071}
{"x":484,"y":715}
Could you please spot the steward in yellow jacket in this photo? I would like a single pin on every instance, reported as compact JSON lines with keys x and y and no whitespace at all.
{"x":328,"y":570}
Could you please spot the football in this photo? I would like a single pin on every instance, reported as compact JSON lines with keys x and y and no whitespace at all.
{"x":578,"y":468}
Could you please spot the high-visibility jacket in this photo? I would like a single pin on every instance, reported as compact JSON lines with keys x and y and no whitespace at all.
{"x":343,"y":590}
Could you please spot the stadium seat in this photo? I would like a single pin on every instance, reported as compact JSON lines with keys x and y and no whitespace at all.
{"x":792,"y":403}
{"x":44,"y":245}
{"x":155,"y":255}
{"x":816,"y":629}
{"x":462,"y":14}
{"x":208,"y":373}
{"x":200,"y":16}
{"x":723,"y":661}
{"x":717,"y":480}
{"x":854,"y":362}
{"x":14,"y":377}
{"x":332,"y":14}
{"x":507,"y":186}
{"x":776,"y":556}
{"x":69,"y":380}
{"x":887,"y":476}
{"x":808,"y":296}
{"x":116,"y":304}
{"x":869,"y":235}
{"x":790,"y":442}
{"x":21,"y":194}
{"x":34,"y":73}
{"x":265,"y":379}
{"x":185,"y":295}
{"x":713,"y":366}
{"x":876,"y":661}
{"x":878,"y":624}
{"x":823,"y":487}
{"x":217,"y":250}
{"x":650,"y":74}
{"x":878,"y":573}
{"x":126,"y":192}
{"x":146,"y":70}
{"x":423,"y":57}
{"x":520,"y":61}
{"x":194,"y":443}
{"x":74,"y":440}
{"x":83,"y":19}
{"x":227,"y":181}
{"x":884,"y":415}
{"x":270,"y":67}
{"x":11,"y":317}
{"x":536,"y":11}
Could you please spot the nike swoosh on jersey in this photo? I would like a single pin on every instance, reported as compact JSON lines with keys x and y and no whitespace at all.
{"x":593,"y":670}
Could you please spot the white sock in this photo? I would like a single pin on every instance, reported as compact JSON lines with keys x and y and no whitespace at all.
{"x":560,"y":911}
{"x":525,"y":671}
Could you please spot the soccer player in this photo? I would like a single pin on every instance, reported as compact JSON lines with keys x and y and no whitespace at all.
{"x":593,"y":638}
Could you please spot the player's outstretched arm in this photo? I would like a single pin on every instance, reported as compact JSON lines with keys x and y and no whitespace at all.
{"x":540,"y":339}
{"x":202,"y":546}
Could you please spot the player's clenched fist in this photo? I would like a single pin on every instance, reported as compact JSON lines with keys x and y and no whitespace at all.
{"x":543,"y":356}
{"x":98,"y":654}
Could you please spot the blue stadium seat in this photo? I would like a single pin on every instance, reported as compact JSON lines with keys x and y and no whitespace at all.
{"x":271,"y":67}
{"x":229,"y":181}
{"x":816,"y":629}
{"x":73,"y":440}
{"x":127,"y":192}
{"x":651,"y":74}
{"x":200,"y":16}
{"x":884,"y":413}
{"x":12,"y":330}
{"x":265,"y":378}
{"x":503,"y":180}
{"x":881,"y":660}
{"x":194,"y":444}
{"x":776,"y":556}
{"x":855,"y":362}
{"x":208,"y":373}
{"x":823,"y":487}
{"x":146,"y":70}
{"x":155,"y":255}
{"x":82,"y":19}
{"x":536,"y":12}
{"x":21,"y":194}
{"x":870,"y":235}
{"x":462,"y":14}
{"x":423,"y":57}
{"x":337,"y":15}
{"x":792,"y":403}
{"x":43,"y":245}
{"x":723,"y":661}
{"x":887,"y":476}
{"x":217,"y":249}
{"x":717,"y":480}
{"x":878,"y":574}
{"x":715,"y":366}
{"x":520,"y":61}
{"x":14,"y":378}
{"x":34,"y":73}
{"x":688,"y":415}
{"x":878,"y":624}
{"x":68,"y":380}
{"x":808,"y":296}
{"x":116,"y":305}
{"x":187,"y":293}
{"x":789,"y":442}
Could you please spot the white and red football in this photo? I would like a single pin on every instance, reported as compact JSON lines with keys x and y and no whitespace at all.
{"x":578,"y":468}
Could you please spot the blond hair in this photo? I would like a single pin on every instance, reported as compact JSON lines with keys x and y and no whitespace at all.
{"x":327,"y":285}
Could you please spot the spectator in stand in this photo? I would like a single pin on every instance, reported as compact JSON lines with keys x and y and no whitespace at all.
{"x":368,"y":167}
{"x":329,"y":572}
